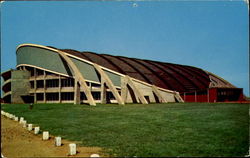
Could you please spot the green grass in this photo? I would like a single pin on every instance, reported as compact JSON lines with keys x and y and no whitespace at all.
{"x":184,"y":129}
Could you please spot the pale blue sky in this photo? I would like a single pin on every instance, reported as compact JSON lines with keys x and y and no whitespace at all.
{"x":212,"y":35}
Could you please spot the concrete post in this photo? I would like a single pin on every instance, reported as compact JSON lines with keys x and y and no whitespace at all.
{"x":36,"y":131}
{"x":45,"y":135}
{"x":10,"y":116}
{"x":72,"y":149}
{"x":16,"y":118}
{"x":58,"y":141}
{"x":24,"y":123}
{"x":29,"y":127}
{"x":21,"y":119}
{"x":94,"y":155}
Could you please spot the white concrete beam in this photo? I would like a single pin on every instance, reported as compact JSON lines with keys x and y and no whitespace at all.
{"x":78,"y":77}
{"x":178,"y":97}
{"x":136,"y":90}
{"x":158,"y":94}
{"x":109,"y":84}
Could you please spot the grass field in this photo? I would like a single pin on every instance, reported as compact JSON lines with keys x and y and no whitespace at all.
{"x":173,"y":129}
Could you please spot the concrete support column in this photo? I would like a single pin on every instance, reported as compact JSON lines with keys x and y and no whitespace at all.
{"x":90,"y":86}
{"x":124,"y":89}
{"x":158,"y":94}
{"x":79,"y":78}
{"x":59,"y":89}
{"x":136,"y":90}
{"x":35,"y":86}
{"x":109,"y":84}
{"x":178,"y":97}
{"x":44,"y":86}
{"x":103,"y":92}
{"x":76,"y":93}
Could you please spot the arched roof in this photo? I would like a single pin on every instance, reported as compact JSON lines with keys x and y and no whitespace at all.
{"x":170,"y":76}
{"x":181,"y":78}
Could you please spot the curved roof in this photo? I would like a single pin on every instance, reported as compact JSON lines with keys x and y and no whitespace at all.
{"x":165,"y":75}
{"x":181,"y":78}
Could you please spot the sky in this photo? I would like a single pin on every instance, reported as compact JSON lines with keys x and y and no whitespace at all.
{"x":212,"y":35}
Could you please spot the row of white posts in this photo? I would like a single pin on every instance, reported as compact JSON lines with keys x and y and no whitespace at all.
{"x":29,"y":127}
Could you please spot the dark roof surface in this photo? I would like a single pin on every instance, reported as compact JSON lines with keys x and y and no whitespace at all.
{"x":175,"y":77}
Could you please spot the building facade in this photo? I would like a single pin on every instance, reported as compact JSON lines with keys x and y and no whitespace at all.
{"x":49,"y":75}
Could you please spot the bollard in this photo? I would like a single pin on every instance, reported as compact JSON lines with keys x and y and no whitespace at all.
{"x":58,"y":141}
{"x":94,"y":155}
{"x":72,"y":149}
{"x":21,"y":120}
{"x":36,"y":131}
{"x":16,"y":118}
{"x":29,"y":127}
{"x":45,"y":135}
{"x":24,"y":123}
{"x":12,"y":116}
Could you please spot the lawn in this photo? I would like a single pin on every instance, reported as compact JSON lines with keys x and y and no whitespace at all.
{"x":172,"y":129}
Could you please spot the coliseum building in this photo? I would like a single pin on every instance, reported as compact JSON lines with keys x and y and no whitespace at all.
{"x":49,"y":75}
